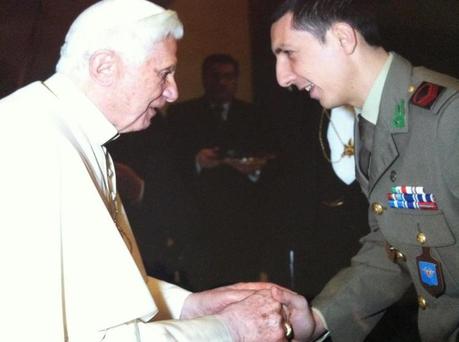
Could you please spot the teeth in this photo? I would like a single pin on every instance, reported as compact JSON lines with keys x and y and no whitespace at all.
{"x":309,"y":87}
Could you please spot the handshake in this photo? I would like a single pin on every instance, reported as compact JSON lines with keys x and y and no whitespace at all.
{"x":257,"y":312}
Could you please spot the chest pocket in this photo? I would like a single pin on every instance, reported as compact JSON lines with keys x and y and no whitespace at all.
{"x":406,"y":226}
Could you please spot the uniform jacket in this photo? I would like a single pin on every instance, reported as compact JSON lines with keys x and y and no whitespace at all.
{"x":67,"y":274}
{"x":422,"y":152}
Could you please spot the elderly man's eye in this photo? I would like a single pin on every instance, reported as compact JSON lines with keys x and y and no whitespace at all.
{"x":163,"y":76}
{"x":166,"y":73}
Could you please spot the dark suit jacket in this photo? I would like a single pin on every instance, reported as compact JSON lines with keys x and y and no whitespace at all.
{"x":425,"y":152}
{"x":226,"y":198}
{"x":195,"y":126}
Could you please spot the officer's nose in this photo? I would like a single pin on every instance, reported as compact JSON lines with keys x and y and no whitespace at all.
{"x":285,"y":76}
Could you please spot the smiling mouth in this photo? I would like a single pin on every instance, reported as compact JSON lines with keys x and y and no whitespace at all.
{"x":309,"y":87}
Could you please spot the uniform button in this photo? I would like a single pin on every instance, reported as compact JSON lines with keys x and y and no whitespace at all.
{"x":394,"y":254}
{"x":411,"y":89}
{"x":377,"y":208}
{"x":393,"y":176}
{"x":422,"y":303}
{"x":421,"y":237}
{"x":399,"y":256}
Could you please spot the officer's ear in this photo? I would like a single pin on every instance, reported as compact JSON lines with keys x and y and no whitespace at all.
{"x":346,"y":36}
{"x":104,"y":67}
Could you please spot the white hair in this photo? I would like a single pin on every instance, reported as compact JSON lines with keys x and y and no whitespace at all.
{"x":127,"y":27}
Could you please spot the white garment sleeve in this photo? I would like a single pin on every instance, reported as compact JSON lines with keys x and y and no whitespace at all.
{"x":168,"y":298}
{"x":207,"y":328}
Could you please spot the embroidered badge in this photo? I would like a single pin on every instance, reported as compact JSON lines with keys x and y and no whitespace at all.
{"x":398,"y":119}
{"x":426,"y":94}
{"x":430,"y":273}
{"x":411,"y":197}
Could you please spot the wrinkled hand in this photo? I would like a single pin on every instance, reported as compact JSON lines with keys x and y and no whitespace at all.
{"x":254,"y":286}
{"x":208,"y":158}
{"x":213,"y":301}
{"x":305,"y":325}
{"x":255,"y":318}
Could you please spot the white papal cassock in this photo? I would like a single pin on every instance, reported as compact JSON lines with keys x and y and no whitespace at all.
{"x":66,"y":273}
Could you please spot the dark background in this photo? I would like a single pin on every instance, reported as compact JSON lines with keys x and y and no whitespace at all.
{"x":31,"y":32}
{"x":294,"y":193}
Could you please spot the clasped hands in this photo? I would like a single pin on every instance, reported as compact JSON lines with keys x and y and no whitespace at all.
{"x":255,"y":311}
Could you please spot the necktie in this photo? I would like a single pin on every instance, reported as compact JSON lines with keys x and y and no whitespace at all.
{"x":366,"y":132}
{"x":218,"y":112}
{"x":220,"y":129}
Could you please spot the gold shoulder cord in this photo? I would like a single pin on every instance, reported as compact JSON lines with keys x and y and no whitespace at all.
{"x":348,"y":149}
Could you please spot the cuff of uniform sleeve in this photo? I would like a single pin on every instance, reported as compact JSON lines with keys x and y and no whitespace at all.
{"x":326,"y":333}
{"x":322,"y":337}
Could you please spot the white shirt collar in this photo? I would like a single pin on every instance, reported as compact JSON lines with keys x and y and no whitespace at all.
{"x":82,"y":111}
{"x":370,"y":110}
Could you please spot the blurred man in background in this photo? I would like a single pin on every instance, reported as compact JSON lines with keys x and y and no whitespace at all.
{"x":218,"y":146}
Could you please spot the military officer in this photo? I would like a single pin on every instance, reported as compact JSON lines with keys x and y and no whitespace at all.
{"x":407,"y":161}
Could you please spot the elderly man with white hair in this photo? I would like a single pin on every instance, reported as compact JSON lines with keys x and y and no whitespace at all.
{"x":71,"y":269}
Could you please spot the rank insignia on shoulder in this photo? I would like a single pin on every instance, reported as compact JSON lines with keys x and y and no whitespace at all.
{"x":426,"y":94}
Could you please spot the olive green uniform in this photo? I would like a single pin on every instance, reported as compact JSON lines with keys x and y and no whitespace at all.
{"x":422,"y":151}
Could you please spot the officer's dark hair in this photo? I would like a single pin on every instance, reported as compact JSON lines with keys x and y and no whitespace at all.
{"x":317,"y":16}
{"x":219,"y":58}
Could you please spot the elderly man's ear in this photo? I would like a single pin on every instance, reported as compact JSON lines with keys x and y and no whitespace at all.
{"x":104,"y":67}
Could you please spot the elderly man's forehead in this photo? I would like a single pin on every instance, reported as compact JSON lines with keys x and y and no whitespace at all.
{"x":164,"y":54}
{"x":163,"y":47}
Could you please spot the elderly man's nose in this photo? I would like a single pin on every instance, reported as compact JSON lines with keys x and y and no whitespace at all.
{"x":171,"y":91}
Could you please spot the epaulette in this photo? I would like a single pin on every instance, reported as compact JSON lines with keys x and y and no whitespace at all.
{"x":426,"y":94}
